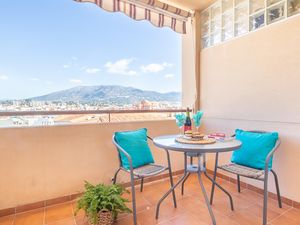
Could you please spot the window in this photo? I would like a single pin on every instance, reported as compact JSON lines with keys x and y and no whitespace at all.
{"x":226,"y":19}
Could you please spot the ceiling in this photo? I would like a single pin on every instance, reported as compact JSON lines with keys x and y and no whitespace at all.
{"x":190,"y":4}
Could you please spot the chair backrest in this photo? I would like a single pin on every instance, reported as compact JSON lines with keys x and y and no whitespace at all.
{"x":119,"y":147}
{"x":131,"y":150}
{"x":116,"y":145}
{"x":262,"y":132}
{"x":266,"y":154}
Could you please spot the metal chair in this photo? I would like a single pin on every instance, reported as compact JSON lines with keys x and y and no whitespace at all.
{"x":141,"y":173}
{"x":253,"y":173}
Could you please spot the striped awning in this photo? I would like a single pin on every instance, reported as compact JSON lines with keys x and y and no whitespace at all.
{"x":158,"y":13}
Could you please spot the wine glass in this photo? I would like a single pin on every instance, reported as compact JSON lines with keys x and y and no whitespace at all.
{"x":180,"y":119}
{"x":197,"y":119}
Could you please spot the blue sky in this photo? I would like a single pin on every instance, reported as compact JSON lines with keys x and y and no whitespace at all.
{"x":47,"y":46}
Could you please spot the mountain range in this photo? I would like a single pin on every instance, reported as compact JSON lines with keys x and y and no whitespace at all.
{"x":108,"y":94}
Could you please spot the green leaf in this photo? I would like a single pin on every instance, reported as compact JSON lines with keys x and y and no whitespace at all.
{"x":102,"y":197}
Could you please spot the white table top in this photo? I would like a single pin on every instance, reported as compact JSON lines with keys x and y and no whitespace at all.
{"x":168,"y":142}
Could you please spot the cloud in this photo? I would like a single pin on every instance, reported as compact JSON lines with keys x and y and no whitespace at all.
{"x":3,"y":77}
{"x":165,"y":64}
{"x":152,"y":68}
{"x":169,"y":75}
{"x":92,"y":70}
{"x":74,"y":58}
{"x":120,"y":67}
{"x":34,"y":79}
{"x":75,"y":81}
{"x":66,"y":66}
{"x":155,"y":67}
{"x":49,"y":82}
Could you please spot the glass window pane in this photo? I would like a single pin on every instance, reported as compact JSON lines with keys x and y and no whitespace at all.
{"x":227,"y":34}
{"x":205,"y":42}
{"x":271,"y":2}
{"x":241,"y":28}
{"x":215,"y":12}
{"x":205,"y":29}
{"x":256,"y":5}
{"x":215,"y":25}
{"x":240,"y":2}
{"x":275,"y":13}
{"x":205,"y":17}
{"x":257,"y":21}
{"x":241,"y":13}
{"x":227,"y":20}
{"x":215,"y":38}
{"x":227,"y":5}
{"x":293,"y":7}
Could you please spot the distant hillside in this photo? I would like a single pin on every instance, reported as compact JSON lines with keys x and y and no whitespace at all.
{"x":108,"y":94}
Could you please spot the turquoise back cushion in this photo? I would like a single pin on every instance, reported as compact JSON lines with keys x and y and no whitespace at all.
{"x":136,"y":145}
{"x":255,"y":148}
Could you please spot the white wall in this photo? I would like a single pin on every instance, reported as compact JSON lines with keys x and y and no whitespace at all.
{"x":252,"y":82}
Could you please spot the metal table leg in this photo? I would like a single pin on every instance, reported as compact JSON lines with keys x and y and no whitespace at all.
{"x":182,"y":185}
{"x":186,"y":173}
{"x":173,"y":187}
{"x":204,"y":193}
{"x":214,"y":183}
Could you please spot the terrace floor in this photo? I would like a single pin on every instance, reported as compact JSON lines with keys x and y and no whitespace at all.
{"x":191,"y":209}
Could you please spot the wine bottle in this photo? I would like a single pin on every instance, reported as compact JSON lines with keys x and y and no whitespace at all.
{"x":188,"y":121}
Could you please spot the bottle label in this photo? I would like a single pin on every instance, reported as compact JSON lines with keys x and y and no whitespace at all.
{"x":186,"y":128}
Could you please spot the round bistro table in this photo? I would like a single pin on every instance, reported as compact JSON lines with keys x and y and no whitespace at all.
{"x":169,"y":143}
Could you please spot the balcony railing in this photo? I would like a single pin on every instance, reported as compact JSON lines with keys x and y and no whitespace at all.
{"x":108,"y":113}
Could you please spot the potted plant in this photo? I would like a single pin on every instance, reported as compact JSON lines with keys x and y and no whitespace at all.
{"x":102,"y":203}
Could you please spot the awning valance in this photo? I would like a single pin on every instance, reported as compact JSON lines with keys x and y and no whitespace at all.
{"x":158,"y":13}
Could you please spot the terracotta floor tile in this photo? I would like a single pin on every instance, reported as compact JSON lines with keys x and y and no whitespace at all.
{"x":185,"y":219}
{"x":273,"y":212}
{"x":167,"y":211}
{"x":58,"y":212}
{"x":69,"y":221}
{"x":141,"y":203}
{"x":7,"y":220}
{"x":125,"y":221}
{"x":191,"y":208}
{"x":244,"y":217}
{"x":81,"y":220}
{"x":291,"y":217}
{"x":222,"y":205}
{"x":77,"y":212}
{"x":35,"y":217}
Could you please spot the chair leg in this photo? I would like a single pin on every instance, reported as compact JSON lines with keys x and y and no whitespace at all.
{"x":277,"y":189}
{"x":265,"y":206}
{"x":239,"y":183}
{"x":214,"y":179}
{"x":182,"y":184}
{"x":114,"y":180}
{"x":133,"y":198}
{"x":142,"y":184}
{"x":171,"y":179}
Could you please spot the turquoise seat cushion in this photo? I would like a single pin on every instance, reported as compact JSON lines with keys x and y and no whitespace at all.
{"x":255,"y":148}
{"x":136,"y":145}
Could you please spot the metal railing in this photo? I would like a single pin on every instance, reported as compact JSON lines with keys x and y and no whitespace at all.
{"x":87,"y":112}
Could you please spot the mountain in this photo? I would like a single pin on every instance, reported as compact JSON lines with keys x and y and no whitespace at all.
{"x":108,"y":94}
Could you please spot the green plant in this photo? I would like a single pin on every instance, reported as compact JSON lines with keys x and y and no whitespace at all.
{"x":101,"y":197}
